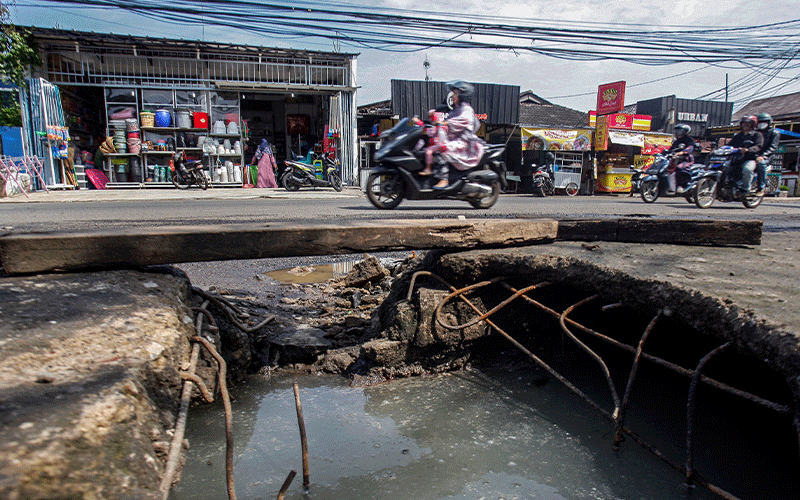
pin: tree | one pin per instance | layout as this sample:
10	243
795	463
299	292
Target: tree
18	53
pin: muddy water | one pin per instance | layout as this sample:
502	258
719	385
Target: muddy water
312	273
471	435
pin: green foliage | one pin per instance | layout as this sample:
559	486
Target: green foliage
17	54
10	115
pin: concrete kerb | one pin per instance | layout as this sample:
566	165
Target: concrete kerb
100	195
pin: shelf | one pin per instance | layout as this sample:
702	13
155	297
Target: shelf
158	152
120	154
225	154
173	129
225	135
189	149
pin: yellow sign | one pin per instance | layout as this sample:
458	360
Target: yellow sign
642	161
601	133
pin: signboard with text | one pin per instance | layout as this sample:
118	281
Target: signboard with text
624	121
610	98
601	134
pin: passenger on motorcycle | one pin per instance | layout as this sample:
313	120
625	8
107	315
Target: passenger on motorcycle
463	149
682	146
748	161
771	139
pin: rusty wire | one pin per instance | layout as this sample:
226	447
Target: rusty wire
619	413
227	307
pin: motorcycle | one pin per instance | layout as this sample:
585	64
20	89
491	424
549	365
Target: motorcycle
299	174
543	180
654	181
402	156
714	181
185	174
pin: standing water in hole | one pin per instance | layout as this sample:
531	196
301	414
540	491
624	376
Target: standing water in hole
469	435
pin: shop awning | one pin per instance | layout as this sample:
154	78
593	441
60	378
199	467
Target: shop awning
626	138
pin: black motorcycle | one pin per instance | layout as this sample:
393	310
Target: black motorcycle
654	181
401	158
322	172
187	173
543	184
718	180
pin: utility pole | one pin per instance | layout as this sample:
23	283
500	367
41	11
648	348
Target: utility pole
426	65
726	87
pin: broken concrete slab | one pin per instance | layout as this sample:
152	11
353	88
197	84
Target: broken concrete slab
120	248
675	232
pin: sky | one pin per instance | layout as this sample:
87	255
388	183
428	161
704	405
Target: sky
568	83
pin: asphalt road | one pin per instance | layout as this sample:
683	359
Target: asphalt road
67	211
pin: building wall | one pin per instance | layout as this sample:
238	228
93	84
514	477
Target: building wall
500	103
669	111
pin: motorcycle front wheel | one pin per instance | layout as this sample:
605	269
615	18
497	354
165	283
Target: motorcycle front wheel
385	190
176	181
336	181
649	191
705	192
289	183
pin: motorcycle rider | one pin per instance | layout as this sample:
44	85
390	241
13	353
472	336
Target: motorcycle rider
682	146
748	160
771	139
463	149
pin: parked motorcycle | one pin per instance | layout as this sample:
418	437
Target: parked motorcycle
299	174
715	182
654	182
401	158
543	180
186	173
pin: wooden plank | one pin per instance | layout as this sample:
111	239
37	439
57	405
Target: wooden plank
672	231
119	248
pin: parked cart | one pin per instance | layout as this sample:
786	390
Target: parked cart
568	168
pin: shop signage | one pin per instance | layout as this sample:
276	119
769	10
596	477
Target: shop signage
601	134
642	161
624	121
654	144
693	117
557	139
610	98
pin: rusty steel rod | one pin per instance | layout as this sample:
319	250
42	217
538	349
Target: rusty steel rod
226	403
303	440
176	445
628	389
286	484
226	307
662	362
207	396
591	353
690	406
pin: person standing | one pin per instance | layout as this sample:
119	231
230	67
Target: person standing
266	165
771	139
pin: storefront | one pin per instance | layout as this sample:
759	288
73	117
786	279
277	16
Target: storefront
700	115
215	102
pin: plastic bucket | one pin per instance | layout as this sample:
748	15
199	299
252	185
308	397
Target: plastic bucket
182	118
200	120
163	118
148	119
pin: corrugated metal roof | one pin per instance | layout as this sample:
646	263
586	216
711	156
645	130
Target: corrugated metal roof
551	115
780	107
500	103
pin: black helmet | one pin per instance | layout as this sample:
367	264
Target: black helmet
465	90
764	118
748	119
682	129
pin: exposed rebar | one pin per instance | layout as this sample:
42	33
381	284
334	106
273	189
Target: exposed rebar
634	367
303	440
286	484
226	403
227	307
690	404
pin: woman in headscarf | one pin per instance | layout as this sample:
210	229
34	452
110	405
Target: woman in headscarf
463	149
266	165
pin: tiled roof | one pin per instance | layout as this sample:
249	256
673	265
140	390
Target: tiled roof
551	115
782	106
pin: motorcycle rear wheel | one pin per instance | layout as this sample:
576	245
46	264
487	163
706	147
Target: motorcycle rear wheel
751	200
385	190
176	181
490	200
705	193
571	189
649	191
202	181
289	183
336	181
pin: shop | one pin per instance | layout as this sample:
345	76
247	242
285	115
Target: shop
149	98
700	115
571	148
618	151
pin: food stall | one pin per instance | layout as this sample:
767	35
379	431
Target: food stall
571	148
619	151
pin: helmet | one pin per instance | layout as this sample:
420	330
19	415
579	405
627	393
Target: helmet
682	129
748	119
465	90
764	121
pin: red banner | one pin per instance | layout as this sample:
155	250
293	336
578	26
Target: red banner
610	98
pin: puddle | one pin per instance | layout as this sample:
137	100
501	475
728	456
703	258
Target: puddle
312	274
470	435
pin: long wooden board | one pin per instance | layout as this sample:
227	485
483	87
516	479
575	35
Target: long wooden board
118	248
